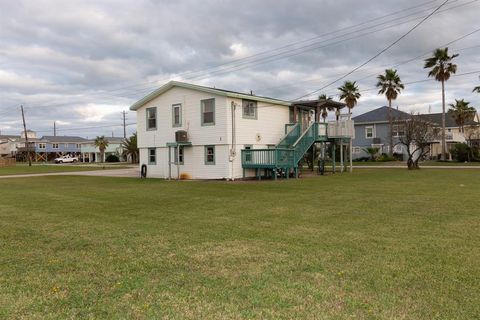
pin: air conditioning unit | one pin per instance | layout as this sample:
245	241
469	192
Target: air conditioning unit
377	140
181	136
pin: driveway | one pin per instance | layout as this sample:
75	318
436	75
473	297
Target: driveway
123	173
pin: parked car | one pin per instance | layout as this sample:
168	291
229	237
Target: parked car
66	159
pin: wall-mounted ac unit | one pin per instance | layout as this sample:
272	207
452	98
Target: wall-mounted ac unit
181	136
377	140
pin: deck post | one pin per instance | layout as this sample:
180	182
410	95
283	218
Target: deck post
351	160
341	155
169	164
243	173
274	172
334	147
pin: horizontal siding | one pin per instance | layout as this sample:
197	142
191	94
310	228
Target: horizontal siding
269	126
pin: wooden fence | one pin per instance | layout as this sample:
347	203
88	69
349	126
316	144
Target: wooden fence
7	162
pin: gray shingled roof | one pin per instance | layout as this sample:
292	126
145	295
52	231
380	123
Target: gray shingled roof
449	119
380	114
64	139
6	136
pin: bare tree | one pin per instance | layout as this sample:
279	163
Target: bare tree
419	135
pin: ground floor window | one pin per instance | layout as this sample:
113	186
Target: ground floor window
210	155
179	157
356	150
152	156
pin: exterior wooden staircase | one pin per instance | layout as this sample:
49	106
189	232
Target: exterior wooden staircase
288	152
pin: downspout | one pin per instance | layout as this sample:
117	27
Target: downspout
233	150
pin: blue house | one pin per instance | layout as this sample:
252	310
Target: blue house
372	131
50	147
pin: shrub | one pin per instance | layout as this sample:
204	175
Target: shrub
112	158
385	157
461	152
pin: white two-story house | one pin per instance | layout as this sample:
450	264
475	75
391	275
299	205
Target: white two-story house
198	132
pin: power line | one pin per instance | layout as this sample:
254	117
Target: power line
281	47
377	54
394	65
300	50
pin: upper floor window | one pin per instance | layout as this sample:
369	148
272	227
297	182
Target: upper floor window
152	118
208	112
369	133
78	145
66	145
177	115
55	145
249	108
42	146
398	130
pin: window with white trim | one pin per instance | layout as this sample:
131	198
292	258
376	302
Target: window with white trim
42	146
369	132
398	130
54	145
356	150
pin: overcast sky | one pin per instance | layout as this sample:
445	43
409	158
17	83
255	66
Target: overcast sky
81	63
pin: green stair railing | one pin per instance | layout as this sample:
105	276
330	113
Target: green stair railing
289	151
290	136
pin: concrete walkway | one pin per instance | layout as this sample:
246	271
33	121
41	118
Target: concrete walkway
123	173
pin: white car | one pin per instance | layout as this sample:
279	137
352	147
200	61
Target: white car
66	159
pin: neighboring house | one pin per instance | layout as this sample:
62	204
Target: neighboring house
372	130
8	145
453	133
50	147
210	133
90	153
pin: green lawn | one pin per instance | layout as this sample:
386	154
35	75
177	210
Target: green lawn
424	163
34	169
376	244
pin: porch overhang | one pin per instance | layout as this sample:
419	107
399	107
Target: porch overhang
179	144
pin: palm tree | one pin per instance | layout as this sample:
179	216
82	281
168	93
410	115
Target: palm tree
130	148
102	144
390	85
324	109
350	94
441	67
476	89
462	112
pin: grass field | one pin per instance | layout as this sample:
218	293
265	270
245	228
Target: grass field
38	168
376	244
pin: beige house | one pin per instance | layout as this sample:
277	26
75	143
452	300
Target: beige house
453	133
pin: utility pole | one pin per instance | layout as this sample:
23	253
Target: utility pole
124	124
54	128
26	138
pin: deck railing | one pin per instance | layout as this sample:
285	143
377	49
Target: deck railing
267	158
291	149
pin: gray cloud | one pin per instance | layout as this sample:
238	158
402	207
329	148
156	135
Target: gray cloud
82	62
